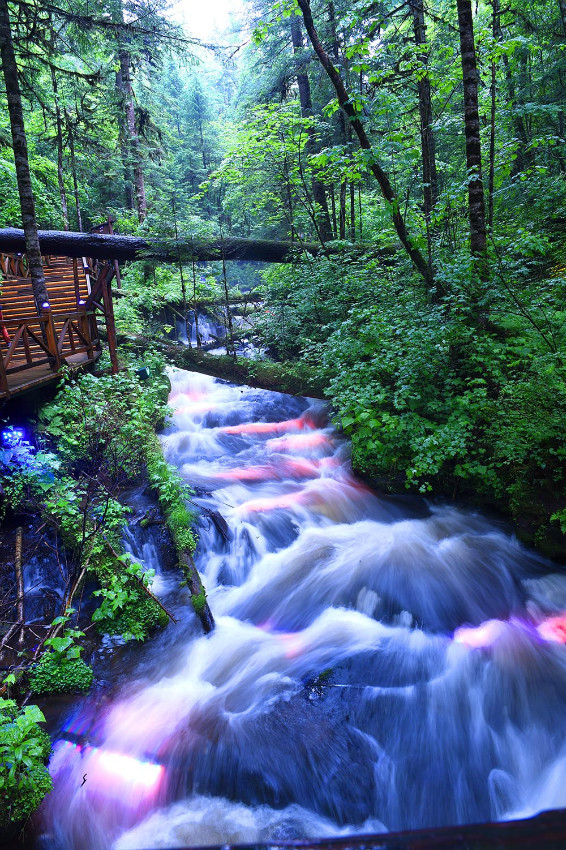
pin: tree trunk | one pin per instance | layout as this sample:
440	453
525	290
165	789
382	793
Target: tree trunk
476	202
345	102
60	174
343	187
352	213
74	171
318	190
133	138
428	152
124	149
118	247
27	204
495	29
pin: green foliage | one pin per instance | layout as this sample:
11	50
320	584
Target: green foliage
173	495
24	750
24	473
60	668
126	609
102	424
199	602
56	674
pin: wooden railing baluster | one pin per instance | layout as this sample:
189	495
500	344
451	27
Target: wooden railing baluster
51	338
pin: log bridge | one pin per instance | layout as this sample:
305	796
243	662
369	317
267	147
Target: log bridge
33	347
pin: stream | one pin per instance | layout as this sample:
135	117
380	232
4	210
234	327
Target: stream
376	665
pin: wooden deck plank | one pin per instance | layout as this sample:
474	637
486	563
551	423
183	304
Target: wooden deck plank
35	376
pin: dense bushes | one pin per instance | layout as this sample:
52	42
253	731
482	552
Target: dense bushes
460	395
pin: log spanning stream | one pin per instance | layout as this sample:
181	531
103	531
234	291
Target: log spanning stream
373	667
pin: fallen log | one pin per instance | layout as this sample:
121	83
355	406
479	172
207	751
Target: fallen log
197	591
118	247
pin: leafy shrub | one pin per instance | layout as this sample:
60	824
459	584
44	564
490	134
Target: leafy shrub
125	608
54	675
24	750
61	669
101	425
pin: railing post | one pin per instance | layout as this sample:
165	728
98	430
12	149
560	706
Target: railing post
51	336
84	325
3	379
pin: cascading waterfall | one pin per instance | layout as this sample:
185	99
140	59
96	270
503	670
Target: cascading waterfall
374	666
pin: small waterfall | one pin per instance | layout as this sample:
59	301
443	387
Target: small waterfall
374	666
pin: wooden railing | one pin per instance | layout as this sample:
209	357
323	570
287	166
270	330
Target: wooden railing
47	340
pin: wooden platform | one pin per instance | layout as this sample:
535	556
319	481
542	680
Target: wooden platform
35	376
33	347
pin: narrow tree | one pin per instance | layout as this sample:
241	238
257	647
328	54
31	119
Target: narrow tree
27	204
133	136
428	153
354	116
59	132
476	202
318	190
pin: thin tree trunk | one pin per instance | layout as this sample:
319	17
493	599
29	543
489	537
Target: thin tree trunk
20	578
229	327
197	332
476	202
342	219
352	212
318	190
133	138
123	139
345	102
60	175
493	96
183	287
27	204
74	171
428	151
345	133
333	207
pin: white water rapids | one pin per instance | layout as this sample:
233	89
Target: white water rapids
372	668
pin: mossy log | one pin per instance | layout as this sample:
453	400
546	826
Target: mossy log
118	247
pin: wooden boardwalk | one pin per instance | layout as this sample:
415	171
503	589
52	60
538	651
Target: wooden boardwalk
33	347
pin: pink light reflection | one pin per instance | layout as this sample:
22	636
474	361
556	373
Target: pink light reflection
267	427
298	442
479	637
553	629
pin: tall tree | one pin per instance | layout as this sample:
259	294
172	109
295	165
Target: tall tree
21	159
353	114
476	201
428	153
322	216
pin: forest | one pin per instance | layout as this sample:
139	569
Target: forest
410	156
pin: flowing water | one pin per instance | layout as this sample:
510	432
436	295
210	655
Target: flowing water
375	666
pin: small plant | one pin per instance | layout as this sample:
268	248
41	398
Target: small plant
126	609
61	669
24	751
